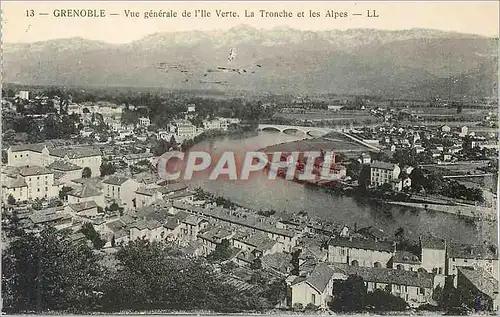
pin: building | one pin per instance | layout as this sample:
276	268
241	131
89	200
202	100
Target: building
464	131
144	122
87	209
416	288
25	95
445	129
86	193
29	183
191	108
406	261
258	244
480	289
383	173
465	255
133	159
433	255
120	190
65	171
365	158
44	154
184	129
360	252
214	124
316	288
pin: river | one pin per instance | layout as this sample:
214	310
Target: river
281	195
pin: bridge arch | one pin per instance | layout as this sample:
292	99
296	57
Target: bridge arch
270	129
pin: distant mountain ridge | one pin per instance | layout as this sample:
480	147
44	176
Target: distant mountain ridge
351	61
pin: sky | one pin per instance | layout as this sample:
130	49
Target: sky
473	17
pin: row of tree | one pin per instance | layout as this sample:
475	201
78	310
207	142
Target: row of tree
50	272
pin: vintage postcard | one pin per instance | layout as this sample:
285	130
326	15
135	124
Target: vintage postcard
249	157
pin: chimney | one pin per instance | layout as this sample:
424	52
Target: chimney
350	238
355	227
394	245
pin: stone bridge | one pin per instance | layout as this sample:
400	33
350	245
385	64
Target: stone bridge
311	131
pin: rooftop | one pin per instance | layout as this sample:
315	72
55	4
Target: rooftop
116	180
405	257
472	251
75	152
382	165
318	278
61	165
388	276
34	170
431	242
83	206
365	244
483	281
35	147
87	190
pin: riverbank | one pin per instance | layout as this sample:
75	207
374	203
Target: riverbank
475	212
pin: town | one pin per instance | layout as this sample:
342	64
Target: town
82	169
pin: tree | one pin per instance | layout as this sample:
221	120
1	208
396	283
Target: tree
295	262
86	173
222	251
92	235
63	193
256	264
364	176
354	169
155	276
48	271
107	169
37	204
349	295
380	300
173	142
11	200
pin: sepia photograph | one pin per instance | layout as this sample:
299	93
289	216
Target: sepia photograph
264	158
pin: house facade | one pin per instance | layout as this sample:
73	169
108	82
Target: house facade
360	252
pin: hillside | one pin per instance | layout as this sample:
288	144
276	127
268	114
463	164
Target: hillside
407	62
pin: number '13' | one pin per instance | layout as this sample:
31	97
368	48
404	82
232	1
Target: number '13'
30	13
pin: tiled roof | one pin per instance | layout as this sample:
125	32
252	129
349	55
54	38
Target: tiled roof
483	281
61	165
116	180
83	206
382	165
471	251
138	156
34	170
15	182
388	276
87	190
318	278
241	218
146	191
116	225
405	257
277	261
35	147
44	216
75	152
430	242
258	240
364	244
172	188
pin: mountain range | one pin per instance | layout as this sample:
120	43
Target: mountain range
411	63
